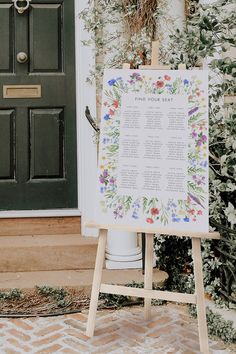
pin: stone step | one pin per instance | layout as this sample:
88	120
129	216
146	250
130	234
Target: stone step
47	252
81	279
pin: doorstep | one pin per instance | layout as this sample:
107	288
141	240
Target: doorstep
81	279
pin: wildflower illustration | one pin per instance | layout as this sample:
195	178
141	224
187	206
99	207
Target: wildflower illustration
154	209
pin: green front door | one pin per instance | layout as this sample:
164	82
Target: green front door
37	105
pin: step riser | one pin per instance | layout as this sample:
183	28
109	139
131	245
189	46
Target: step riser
44	244
40	258
40	226
47	253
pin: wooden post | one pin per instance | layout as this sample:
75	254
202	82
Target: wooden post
126	66
182	67
97	277
148	274
199	291
155	59
155	53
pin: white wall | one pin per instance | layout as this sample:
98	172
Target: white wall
85	96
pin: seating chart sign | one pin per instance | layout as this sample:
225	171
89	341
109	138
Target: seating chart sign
153	151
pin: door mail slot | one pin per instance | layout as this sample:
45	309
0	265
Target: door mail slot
21	91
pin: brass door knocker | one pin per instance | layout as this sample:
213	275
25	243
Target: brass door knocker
21	9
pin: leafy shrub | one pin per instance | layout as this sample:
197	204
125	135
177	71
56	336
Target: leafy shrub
57	294
14	294
217	326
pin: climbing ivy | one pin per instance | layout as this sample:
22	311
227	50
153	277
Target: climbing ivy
209	35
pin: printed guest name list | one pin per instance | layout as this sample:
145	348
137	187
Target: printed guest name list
153	146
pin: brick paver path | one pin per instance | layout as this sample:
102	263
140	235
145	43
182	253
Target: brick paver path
171	330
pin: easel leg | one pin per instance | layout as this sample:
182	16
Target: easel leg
97	277
199	290
148	274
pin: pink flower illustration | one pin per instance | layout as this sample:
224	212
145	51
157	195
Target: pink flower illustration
150	220
159	84
116	103
111	112
154	211
167	77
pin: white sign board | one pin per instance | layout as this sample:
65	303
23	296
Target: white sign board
153	152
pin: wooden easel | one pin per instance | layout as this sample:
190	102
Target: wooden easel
147	293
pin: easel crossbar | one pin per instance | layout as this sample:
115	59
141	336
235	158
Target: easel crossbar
159	231
148	294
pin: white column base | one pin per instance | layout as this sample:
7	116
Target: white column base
136	255
122	251
124	265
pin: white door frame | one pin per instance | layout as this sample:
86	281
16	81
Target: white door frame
86	148
86	96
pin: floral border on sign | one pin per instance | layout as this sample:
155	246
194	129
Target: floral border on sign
154	209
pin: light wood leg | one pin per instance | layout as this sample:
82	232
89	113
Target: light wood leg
199	290
148	274
97	277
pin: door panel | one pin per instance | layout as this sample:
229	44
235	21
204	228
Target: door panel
7	144
44	165
38	135
46	21
6	37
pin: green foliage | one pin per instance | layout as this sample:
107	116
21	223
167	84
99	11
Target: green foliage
173	257
221	328
227	254
114	301
217	325
209	34
14	294
57	294
118	301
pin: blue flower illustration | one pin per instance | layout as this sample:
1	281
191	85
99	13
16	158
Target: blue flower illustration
107	117
105	140
186	219
135	215
204	163
112	82
176	219
186	82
